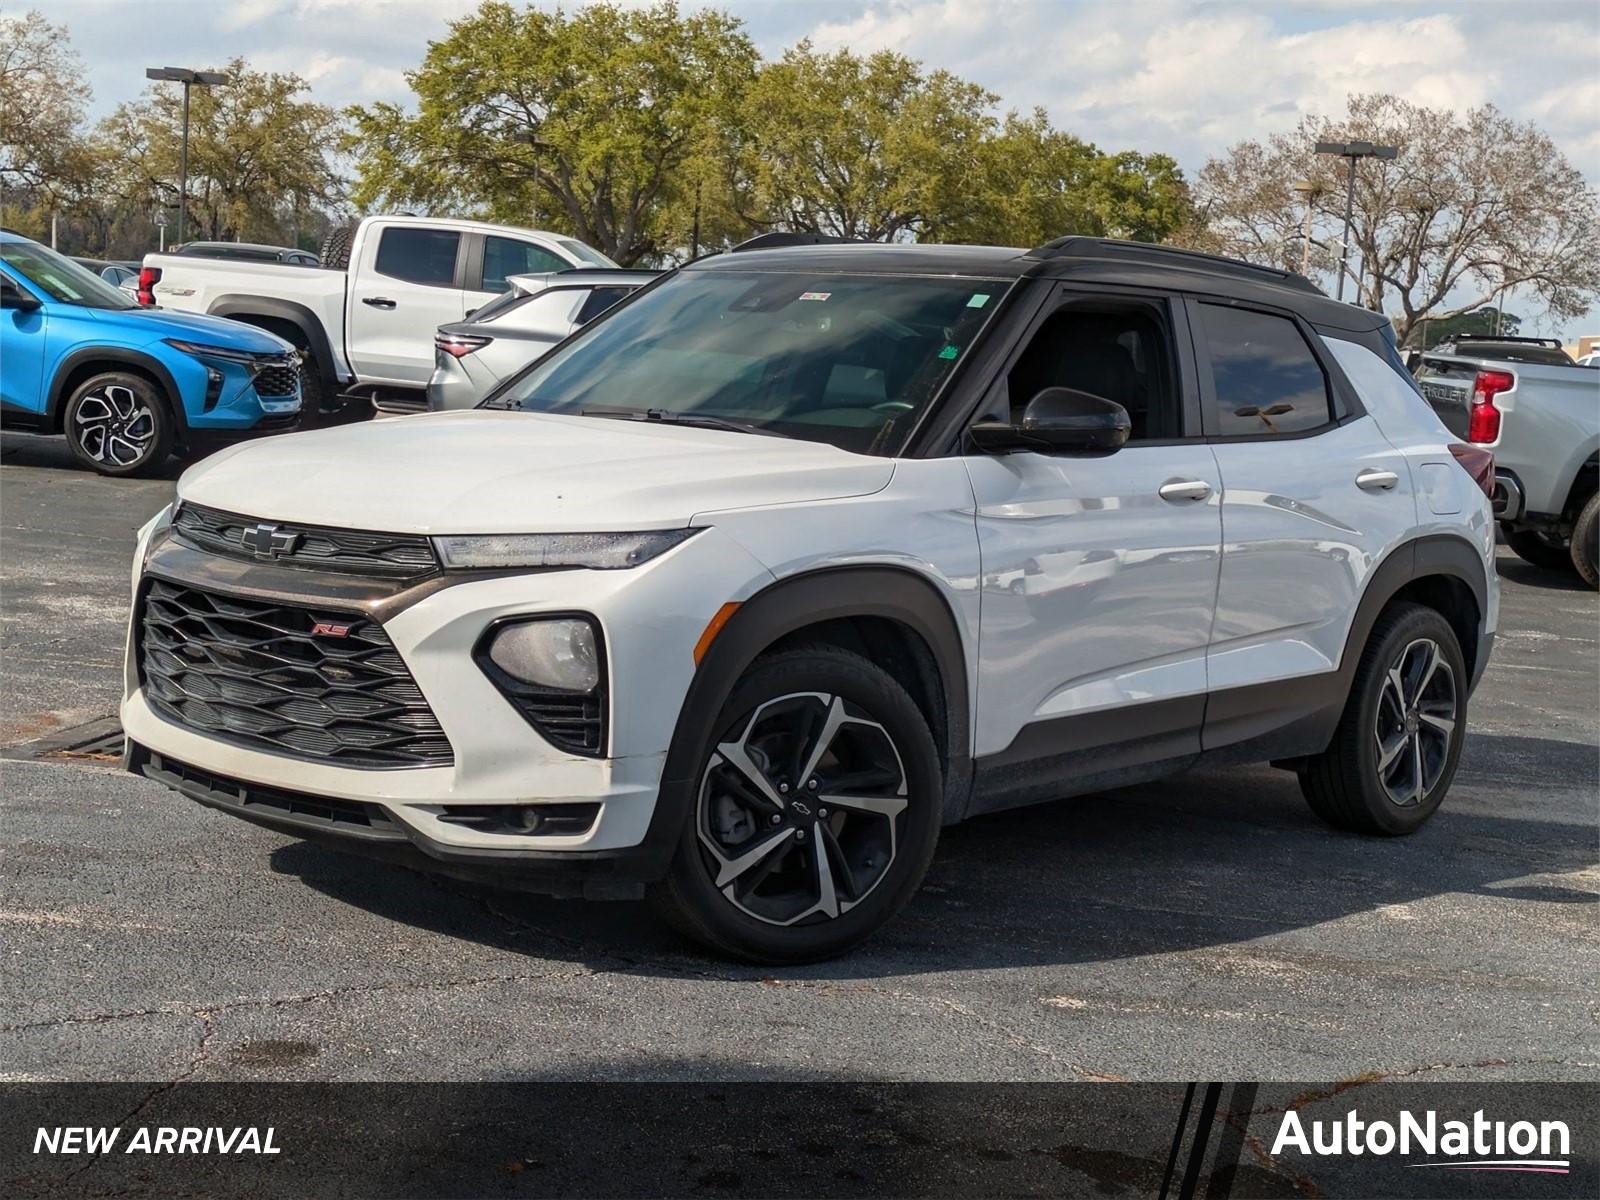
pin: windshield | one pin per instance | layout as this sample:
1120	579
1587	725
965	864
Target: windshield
851	360
584	253
60	278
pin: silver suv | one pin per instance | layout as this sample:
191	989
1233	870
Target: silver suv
471	357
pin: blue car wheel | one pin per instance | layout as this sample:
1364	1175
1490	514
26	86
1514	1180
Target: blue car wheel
119	424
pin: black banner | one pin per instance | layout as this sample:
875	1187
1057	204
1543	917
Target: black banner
1177	1141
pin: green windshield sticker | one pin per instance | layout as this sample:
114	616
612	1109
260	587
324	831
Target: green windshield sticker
979	299
949	352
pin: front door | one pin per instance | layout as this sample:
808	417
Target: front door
22	335
1098	573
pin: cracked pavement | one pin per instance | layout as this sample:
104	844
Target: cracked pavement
1204	926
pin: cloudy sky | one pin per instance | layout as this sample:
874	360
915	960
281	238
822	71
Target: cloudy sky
1186	78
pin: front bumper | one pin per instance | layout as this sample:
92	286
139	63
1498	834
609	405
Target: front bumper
498	759
370	830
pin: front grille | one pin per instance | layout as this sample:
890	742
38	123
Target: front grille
255	673
352	551
277	380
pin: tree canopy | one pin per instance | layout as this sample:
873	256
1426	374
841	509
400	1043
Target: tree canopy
1474	204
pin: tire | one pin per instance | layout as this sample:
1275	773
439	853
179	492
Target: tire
789	905
119	424
1349	785
335	252
1532	546
313	391
1586	542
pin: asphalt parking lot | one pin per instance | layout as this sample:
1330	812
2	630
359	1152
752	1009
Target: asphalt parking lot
1204	927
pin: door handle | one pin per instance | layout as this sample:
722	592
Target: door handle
1184	489
378	301
1372	480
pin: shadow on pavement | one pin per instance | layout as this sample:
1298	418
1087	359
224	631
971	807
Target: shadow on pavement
1203	860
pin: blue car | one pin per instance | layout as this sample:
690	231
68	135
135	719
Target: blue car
129	386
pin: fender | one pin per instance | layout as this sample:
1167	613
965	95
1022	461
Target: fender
782	608
113	355
298	315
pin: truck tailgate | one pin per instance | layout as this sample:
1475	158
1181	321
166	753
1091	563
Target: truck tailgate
1447	386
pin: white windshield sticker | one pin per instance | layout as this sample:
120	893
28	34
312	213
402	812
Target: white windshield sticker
815	295
979	299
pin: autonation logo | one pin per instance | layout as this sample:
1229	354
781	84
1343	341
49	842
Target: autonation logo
1476	1145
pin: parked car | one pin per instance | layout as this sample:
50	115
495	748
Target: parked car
118	274
1590	360
366	320
128	385
248	252
715	598
471	357
1539	412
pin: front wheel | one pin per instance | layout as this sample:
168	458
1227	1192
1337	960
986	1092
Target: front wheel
118	424
1395	750
815	811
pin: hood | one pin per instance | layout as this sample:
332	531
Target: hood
196	327
485	471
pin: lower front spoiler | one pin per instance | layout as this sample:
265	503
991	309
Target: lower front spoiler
368	830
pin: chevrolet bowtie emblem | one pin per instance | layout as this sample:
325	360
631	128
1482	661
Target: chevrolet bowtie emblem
269	541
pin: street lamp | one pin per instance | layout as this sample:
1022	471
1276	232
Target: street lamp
1309	192
188	78
528	138
1352	151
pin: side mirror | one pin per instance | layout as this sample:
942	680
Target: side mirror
1059	421
11	296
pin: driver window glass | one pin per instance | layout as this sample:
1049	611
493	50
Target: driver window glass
1122	352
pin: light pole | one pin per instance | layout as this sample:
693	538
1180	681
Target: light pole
188	78
161	227
1352	151
1309	192
528	138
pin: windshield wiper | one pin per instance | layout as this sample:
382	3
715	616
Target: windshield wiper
668	417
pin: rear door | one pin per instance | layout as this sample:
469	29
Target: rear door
496	257
407	283
1313	496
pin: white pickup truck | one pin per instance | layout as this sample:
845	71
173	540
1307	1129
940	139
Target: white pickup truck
365	320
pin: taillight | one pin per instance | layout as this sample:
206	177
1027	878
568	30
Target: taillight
459	345
1483	419
1477	462
148	278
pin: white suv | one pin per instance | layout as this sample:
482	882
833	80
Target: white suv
804	551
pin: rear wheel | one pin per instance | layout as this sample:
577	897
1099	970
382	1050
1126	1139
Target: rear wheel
1586	542
1397	744
1540	549
815	811
118	424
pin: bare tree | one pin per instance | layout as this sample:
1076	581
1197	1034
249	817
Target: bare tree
41	102
1475	204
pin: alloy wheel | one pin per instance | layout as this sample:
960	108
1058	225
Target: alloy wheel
1416	720
115	426
799	809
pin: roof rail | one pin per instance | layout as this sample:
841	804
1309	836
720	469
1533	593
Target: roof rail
1553	343
1078	246
776	241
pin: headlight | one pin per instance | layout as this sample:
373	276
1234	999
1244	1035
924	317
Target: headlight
597	551
558	653
225	353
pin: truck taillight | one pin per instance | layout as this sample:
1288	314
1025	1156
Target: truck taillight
1483	419
148	278
1478	463
459	345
